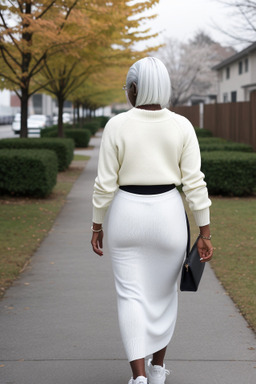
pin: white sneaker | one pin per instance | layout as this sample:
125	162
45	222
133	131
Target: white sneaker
156	374
139	380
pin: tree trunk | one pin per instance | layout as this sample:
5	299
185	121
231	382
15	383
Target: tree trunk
78	113
24	113
83	114
26	59
60	116
74	115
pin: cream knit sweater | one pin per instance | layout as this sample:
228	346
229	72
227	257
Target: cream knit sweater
141	147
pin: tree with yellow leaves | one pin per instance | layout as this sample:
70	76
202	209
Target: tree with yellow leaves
105	33
57	44
30	32
100	89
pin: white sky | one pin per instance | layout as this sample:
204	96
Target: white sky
181	19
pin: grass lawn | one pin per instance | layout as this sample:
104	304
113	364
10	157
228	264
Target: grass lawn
24	222
233	226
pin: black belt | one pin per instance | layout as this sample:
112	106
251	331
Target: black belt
147	189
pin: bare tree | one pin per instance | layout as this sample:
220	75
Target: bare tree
190	66
243	14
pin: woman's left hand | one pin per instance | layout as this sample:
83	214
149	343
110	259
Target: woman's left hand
205	249
97	242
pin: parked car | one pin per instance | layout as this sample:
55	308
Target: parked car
16	123
6	119
38	122
35	123
65	116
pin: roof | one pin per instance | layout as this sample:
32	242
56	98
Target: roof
236	57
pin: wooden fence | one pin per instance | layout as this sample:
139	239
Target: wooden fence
192	113
232	121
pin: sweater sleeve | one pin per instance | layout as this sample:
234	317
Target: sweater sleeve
192	178
106	181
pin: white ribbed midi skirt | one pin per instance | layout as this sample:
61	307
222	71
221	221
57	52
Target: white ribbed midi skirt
146	236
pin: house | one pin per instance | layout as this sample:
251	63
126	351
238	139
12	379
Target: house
237	76
208	78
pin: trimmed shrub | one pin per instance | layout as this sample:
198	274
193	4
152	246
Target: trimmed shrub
27	172
93	125
103	120
211	140
229	173
49	132
202	132
54	128
81	137
216	144
64	148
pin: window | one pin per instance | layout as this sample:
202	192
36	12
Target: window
233	97
240	67
246	65
227	73
225	98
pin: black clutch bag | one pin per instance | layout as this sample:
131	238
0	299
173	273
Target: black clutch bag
192	268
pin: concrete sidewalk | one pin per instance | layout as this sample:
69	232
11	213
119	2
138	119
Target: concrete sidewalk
58	322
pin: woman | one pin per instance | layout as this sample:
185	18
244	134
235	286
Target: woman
144	154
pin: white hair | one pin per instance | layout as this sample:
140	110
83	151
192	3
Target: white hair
152	80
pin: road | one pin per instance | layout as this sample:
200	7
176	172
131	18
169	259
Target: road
6	131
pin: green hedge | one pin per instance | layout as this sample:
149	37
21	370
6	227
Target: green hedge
201	132
103	120
211	140
27	172
229	173
93	125
81	137
216	144
49	132
64	148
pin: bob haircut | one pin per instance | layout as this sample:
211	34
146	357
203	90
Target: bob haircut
152	80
